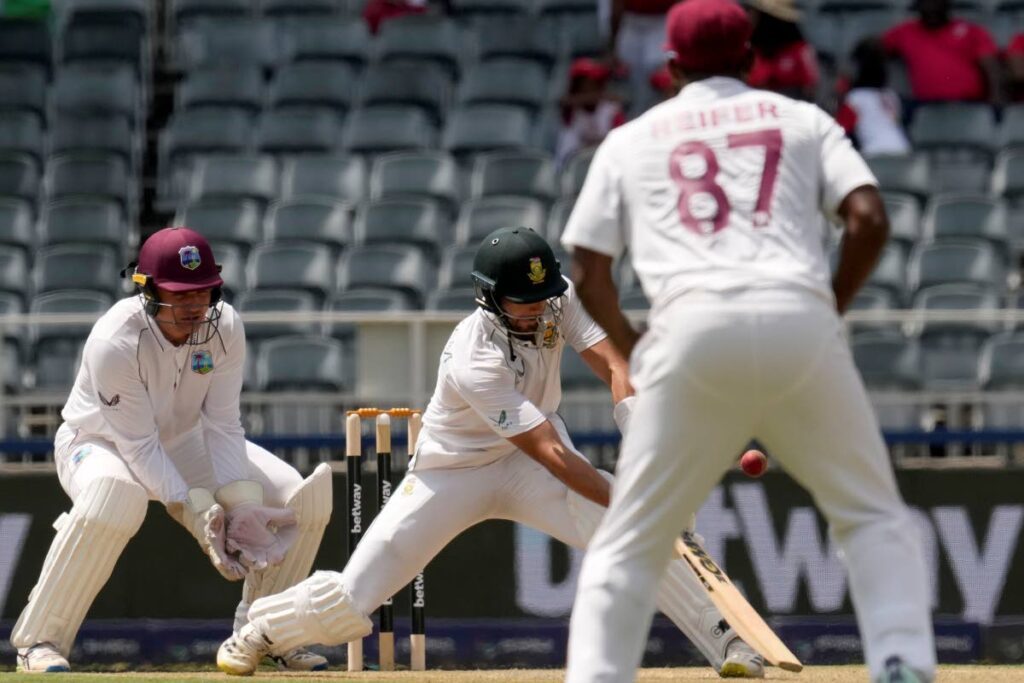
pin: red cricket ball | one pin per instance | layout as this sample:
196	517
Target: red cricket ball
754	463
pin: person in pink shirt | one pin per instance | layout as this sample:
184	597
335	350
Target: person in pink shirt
947	58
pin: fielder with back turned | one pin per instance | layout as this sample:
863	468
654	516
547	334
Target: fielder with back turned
718	193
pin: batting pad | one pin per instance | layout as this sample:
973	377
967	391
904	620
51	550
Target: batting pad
312	503
318	610
89	540
681	597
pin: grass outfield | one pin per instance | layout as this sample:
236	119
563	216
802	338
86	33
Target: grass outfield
813	674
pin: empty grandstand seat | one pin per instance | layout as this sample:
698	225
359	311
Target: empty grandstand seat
310	219
303	363
133	12
300	8
954	125
404	221
19	177
105	43
456	266
11	304
1008	175
523	173
575	372
232	261
271	301
558	217
386	128
1011	131
81	219
960	172
25	40
77	266
525	38
872	298
958	297
95	134
234	177
575	172
92	90
427	174
186	11
887	360
910	174
306	266
23	88
508	80
949	360
325	84
582	36
200	131
298	131
458	299
242	41
344	39
481	128
334	177
904	217
67	301
890	273
22	132
398	266
55	365
426	86
966	216
476	8
17	227
964	261
1001	365
224	220
91	175
222	86
15	272
479	217
10	366
363	300
421	38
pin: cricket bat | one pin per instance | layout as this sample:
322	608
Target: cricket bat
743	618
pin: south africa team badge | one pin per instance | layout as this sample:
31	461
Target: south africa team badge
202	362
189	257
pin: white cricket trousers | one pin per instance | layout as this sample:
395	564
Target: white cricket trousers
714	371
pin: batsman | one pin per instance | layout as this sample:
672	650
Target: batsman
154	415
492	446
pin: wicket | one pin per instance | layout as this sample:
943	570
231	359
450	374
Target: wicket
353	458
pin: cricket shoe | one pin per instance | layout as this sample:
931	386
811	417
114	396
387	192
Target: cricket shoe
41	658
897	671
741	662
300	659
240	654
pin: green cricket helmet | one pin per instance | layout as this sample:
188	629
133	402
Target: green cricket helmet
516	264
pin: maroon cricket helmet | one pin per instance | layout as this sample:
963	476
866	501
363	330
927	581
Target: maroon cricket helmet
177	259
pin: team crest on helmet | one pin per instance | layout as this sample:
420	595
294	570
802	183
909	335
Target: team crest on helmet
202	362
189	257
537	271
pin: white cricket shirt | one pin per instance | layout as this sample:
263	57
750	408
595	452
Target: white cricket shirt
146	396
483	395
718	188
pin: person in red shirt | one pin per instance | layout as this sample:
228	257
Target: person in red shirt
1015	67
783	61
947	58
589	111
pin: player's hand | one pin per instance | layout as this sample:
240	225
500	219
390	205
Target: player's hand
206	521
260	535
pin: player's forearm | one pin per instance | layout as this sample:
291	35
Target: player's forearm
577	474
867	230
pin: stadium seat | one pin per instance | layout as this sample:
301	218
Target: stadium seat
343	39
23	88
306	266
404	221
23	40
966	216
91	221
17	227
15	272
456	266
55	365
482	128
887	361
106	44
425	85
417	175
852	27
582	36
310	219
89	90
969	126
228	220
949	360
78	266
96	135
398	266
200	131
303	363
956	261
309	83
332	177
564	7
891	271
479	217
559	216
909	174
960	171
300	8
66	301
872	298
959	297
472	9
575	172
904	217
421	38
228	176
11	366
1001	365
459	299
19	177
298	131
222	86
519	82
271	301
576	374
22	133
1011	132
190	11
363	300
1008	176
239	41
232	261
136	12
387	128
11	304
525	38
522	173
91	175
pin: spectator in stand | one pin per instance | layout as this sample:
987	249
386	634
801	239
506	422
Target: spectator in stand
377	12
871	112
589	111
948	59
637	41
783	61
1015	68
664	84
